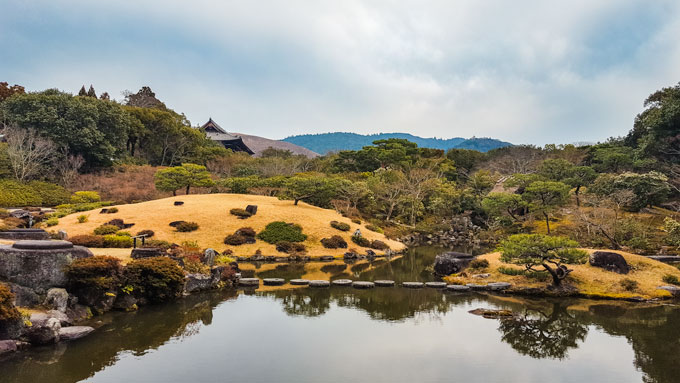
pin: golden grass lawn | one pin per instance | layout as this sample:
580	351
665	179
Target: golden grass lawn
589	280
211	212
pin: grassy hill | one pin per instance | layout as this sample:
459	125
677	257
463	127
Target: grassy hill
211	212
328	142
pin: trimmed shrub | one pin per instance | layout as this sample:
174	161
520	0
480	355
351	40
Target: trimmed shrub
14	194
157	279
99	273
85	197
629	284
158	244
361	241
290	247
340	225
117	241
278	231
246	232
148	233
87	240
223	260
334	242
83	218
374	228
8	312
479	263
112	210
52	221
125	233
241	213
106	229
235	240
186	227
356	220
50	194
117	222
378	245
671	279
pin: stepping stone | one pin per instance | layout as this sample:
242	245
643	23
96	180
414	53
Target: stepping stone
273	281
342	282
498	286
319	283
299	282
476	287
436	285
326	258
249	282
413	285
363	285
458	288
384	283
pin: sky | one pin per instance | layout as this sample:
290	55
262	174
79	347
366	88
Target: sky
522	71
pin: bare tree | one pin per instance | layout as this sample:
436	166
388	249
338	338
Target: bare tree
28	152
67	167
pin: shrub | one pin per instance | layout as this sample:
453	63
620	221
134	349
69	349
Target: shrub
148	233
356	220
87	240
176	223
235	240
479	264
629	284
50	194
83	218
156	243
85	197
4	213
99	273
537	275
14	194
117	241
375	228
241	213
340	225
228	252
52	221
246	232
334	242
671	279
8	312
278	231
112	210
378	245
361	241
157	279
223	260
186	227
117	222
106	229
290	247
125	233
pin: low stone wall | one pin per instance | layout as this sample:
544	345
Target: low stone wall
24	234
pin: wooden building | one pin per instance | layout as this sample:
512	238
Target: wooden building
229	141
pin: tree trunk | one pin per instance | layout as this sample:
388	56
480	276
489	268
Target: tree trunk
296	201
578	202
188	186
174	193
556	279
547	222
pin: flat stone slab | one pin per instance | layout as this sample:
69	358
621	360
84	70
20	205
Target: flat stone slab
299	282
363	285
319	283
436	285
665	258
675	290
326	258
273	281
413	285
476	287
458	288
384	283
74	332
249	282
498	286
342	282
25	234
42	245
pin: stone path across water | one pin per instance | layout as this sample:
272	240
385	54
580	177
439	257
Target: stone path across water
491	286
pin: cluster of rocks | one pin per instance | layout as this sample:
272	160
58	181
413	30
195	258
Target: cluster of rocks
463	232
349	256
28	216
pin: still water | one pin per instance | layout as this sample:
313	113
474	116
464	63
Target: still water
383	335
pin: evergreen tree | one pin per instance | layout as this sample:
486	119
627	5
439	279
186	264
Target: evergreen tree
91	92
82	91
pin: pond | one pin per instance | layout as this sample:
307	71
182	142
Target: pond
385	334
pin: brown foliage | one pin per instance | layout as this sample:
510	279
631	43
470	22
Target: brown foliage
127	183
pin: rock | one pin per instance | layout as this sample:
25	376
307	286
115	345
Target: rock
481	276
674	290
350	255
273	281
25	234
458	288
178	203
384	283
299	282
319	283
77	312
489	313
609	261
326	258
11	329
436	285
44	329
125	302
270	258
175	223
342	282
198	282
57	298
74	332
665	258
64	320
7	346
252	209
498	286
62	235
23	296
363	285
209	257
370	253
413	285
249	282
451	263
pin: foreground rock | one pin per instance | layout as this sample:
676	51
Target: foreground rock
7	346
74	332
451	263
57	299
44	330
436	285
609	261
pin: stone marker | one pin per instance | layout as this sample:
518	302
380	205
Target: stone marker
384	283
413	285
458	288
299	282
342	282
57	298
363	285
319	283
273	281
436	285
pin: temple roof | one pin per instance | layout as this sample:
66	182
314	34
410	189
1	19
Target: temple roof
230	141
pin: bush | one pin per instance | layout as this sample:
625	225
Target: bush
235	240
50	194
14	194
278	231
356	220
241	213
537	275
375	228
340	225
8	312
379	245
334	242
158	244
4	213
112	210
290	247
671	279
148	233
52	221
106	229
361	241
186	227
157	279
117	241
85	197
479	263
124	233
99	273
83	218
246	232
629	284
87	240
117	222
223	260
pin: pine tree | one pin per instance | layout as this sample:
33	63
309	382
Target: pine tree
82	92
91	93
105	96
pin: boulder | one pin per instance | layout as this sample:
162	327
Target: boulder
7	346
209	257
197	282
125	302
57	299
609	261
62	235
74	332
674	290
77	312
451	263
252	209
11	329
44	329
178	203
64	320
23	296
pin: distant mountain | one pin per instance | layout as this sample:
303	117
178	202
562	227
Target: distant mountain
258	144
330	142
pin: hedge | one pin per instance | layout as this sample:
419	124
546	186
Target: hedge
278	231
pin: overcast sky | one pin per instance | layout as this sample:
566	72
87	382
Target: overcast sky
522	71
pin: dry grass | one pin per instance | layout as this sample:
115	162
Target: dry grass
211	212
589	280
